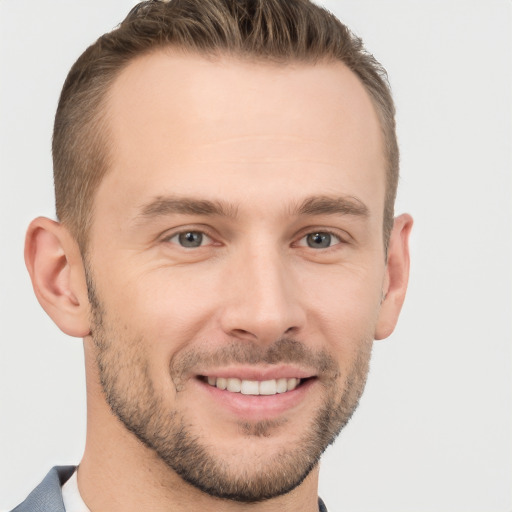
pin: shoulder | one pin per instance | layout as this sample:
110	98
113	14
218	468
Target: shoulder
47	496
321	506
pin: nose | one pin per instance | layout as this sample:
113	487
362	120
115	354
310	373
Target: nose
263	300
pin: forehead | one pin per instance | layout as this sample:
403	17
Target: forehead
183	120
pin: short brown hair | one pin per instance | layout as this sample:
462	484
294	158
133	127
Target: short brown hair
274	30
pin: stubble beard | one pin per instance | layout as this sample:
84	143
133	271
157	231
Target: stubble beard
129	391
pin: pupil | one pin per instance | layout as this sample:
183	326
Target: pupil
319	240
191	239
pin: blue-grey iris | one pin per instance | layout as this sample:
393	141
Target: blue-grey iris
319	240
191	239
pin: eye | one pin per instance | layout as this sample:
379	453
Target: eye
320	240
190	239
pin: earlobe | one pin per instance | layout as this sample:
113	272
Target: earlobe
55	266
396	278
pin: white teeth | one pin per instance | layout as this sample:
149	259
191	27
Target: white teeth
291	384
254	387
250	387
282	385
234	385
221	383
268	387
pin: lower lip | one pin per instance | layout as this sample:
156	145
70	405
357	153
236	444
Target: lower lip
259	407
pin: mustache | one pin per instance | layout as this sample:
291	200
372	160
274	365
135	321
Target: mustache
282	351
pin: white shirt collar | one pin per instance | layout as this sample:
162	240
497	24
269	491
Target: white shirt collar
73	502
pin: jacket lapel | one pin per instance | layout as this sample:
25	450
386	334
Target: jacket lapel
47	496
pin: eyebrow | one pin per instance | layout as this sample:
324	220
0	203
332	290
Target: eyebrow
327	205
161	206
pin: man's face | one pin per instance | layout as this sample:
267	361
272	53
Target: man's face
237	241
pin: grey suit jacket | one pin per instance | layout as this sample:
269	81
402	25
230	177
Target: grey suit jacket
47	496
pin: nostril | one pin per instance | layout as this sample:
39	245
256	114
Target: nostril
241	333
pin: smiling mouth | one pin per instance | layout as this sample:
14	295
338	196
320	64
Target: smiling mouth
254	387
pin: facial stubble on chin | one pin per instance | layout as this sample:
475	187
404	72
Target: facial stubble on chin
124	374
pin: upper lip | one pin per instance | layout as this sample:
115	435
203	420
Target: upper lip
259	373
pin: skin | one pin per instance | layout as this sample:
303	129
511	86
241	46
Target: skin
263	140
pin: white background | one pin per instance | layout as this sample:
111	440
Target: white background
434	429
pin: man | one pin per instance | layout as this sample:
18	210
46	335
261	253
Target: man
225	175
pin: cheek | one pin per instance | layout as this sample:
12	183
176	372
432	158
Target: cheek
167	308
345	307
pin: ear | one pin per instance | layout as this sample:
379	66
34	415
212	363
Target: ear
396	278
56	269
